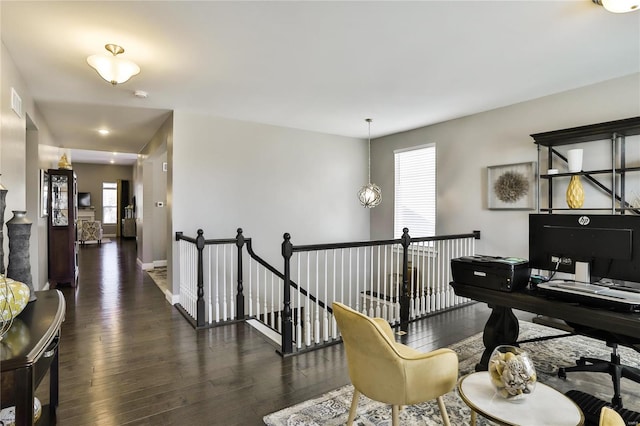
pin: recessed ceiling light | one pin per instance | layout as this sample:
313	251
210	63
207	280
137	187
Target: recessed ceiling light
115	153
112	161
103	132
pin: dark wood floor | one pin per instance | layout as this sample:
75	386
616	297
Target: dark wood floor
128	357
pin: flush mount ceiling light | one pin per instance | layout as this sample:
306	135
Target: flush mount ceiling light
112	68
619	6
370	195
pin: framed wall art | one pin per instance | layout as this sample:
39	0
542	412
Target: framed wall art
512	186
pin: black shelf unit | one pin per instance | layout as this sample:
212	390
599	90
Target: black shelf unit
613	131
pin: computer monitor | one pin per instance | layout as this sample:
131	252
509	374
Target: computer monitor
608	244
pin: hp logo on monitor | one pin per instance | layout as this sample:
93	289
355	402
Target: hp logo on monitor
584	220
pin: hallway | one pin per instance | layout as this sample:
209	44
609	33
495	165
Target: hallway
128	357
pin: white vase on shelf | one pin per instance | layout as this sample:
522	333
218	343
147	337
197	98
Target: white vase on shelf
574	158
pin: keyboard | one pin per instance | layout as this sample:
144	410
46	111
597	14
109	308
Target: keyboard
577	286
600	295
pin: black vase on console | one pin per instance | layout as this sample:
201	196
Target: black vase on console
19	231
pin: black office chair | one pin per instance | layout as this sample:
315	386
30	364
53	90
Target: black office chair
613	367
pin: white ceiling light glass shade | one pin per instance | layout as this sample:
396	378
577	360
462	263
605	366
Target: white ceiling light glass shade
112	68
370	195
619	6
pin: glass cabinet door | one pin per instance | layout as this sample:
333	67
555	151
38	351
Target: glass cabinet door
59	200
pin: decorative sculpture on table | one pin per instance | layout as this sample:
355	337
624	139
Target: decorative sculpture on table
512	372
19	231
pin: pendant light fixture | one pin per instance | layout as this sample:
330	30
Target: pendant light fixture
112	68
370	195
619	6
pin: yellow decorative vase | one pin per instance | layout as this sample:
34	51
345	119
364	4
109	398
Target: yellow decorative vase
575	193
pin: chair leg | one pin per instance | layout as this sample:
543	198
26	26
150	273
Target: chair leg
395	412
354	407
443	411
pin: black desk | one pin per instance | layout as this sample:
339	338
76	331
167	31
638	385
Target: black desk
502	326
31	351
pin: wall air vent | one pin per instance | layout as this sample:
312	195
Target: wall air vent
16	102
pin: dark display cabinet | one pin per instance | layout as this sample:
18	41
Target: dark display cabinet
63	213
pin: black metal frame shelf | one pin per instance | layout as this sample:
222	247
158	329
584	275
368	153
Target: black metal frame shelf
615	132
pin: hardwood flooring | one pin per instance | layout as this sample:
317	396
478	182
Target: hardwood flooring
127	357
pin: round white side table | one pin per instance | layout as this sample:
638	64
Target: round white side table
545	406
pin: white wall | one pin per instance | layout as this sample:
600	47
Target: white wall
150	186
159	213
466	146
20	167
268	180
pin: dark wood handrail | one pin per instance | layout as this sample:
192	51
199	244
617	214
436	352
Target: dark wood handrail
332	246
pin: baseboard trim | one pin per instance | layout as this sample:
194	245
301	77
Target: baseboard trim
269	333
171	298
159	263
144	266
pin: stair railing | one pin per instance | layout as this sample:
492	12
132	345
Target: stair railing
400	280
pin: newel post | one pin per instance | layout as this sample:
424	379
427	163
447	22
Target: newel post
200	301
287	324
240	295
404	293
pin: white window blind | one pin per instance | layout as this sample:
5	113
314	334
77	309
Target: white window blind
415	191
109	202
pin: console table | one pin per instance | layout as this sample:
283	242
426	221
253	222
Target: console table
502	326
25	361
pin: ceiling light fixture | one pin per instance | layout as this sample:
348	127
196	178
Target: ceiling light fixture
112	68
619	6
370	195
103	132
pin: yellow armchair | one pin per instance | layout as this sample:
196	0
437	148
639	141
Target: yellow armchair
391	372
610	417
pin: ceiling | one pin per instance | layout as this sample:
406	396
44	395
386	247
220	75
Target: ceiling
320	66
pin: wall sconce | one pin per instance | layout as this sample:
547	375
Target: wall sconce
112	68
619	6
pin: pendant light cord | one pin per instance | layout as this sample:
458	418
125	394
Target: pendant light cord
368	120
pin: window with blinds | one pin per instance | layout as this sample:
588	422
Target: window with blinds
109	203
415	191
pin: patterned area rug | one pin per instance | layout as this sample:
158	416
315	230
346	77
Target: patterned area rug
159	276
333	408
